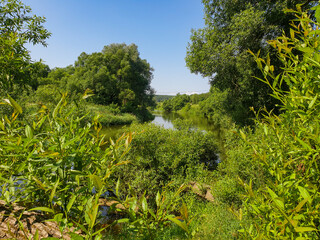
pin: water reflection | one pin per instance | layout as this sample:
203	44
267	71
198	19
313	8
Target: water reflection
200	123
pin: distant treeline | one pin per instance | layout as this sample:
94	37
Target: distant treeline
161	98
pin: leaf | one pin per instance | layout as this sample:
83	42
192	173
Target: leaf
304	193
276	199
41	185
301	204
117	187
88	93
75	236
36	235
305	229
96	182
292	33
312	102
158	199
144	204
70	203
180	223
184	211
53	192
305	145
243	135
5	167
2	125
58	217
29	131
14	104
43	209
56	109
41	121
123	220
317	12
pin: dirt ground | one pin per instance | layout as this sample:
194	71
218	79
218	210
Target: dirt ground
17	223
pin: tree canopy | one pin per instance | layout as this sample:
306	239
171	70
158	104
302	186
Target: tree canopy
17	27
220	49
116	75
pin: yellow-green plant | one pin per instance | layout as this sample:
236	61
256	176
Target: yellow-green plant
287	146
55	163
145	219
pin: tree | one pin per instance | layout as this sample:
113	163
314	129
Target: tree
17	27
219	50
117	74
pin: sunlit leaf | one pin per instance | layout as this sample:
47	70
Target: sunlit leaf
43	209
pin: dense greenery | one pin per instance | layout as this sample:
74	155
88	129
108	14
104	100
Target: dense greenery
160	156
160	98
55	159
18	27
117	76
219	50
287	205
181	100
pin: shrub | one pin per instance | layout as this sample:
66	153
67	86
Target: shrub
160	155
287	146
53	163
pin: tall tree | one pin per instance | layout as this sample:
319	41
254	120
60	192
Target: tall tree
117	74
219	50
17	27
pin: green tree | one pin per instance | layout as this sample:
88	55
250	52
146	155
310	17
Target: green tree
219	50
17	27
176	103
112	73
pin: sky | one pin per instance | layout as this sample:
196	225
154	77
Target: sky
160	28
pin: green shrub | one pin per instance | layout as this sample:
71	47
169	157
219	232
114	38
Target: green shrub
109	115
52	162
160	155
287	147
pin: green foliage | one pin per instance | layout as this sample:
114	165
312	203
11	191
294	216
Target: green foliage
286	147
176	103
108	115
56	165
219	50
213	221
159	156
161	98
17	27
146	221
116	75
214	107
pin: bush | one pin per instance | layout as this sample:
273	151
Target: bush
159	156
52	162
287	147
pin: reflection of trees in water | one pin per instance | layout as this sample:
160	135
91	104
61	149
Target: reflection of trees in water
171	116
200	123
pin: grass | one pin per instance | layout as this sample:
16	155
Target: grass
110	115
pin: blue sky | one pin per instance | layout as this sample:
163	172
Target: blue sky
160	28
